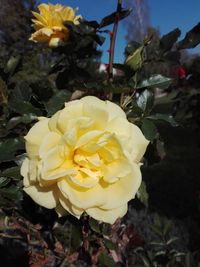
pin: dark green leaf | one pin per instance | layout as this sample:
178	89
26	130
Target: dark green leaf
57	101
42	88
94	225
192	38
83	28
20	158
25	119
106	261
131	47
4	181
188	260
168	40
172	240
163	117
22	92
145	101
76	237
92	85
135	60
23	107
109	244
13	172
158	244
12	193
20	100
145	261
9	148
149	130
105	229
12	65
157	230
155	81
3	92
110	19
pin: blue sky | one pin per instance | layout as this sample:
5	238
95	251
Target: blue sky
165	15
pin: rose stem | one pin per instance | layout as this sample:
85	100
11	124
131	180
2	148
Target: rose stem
112	44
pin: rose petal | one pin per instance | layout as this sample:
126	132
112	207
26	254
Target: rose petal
114	111
50	141
138	143
96	113
82	197
66	204
44	196
115	170
119	193
107	216
35	137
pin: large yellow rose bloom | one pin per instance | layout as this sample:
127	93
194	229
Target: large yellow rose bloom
85	158
49	26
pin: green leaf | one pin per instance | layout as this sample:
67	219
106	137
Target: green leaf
110	19
142	194
23	107
12	193
145	101
25	119
84	28
42	88
94	225
157	244
168	40
22	92
160	253
57	101
135	60
188	260
145	261
192	38
3	92
106	229
12	65
4	181
76	237
155	81
109	244
172	240
131	47
149	130
20	158
20	100
163	117
9	148
13	172
106	261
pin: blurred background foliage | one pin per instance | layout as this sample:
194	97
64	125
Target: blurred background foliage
161	228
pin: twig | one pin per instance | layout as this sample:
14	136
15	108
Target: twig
112	44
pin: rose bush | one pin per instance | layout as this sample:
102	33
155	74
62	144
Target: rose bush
49	24
85	158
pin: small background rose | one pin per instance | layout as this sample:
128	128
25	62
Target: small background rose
85	158
48	24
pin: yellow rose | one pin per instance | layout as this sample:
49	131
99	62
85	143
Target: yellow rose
85	158
49	24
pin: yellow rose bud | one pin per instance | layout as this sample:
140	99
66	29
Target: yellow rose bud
85	158
48	24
